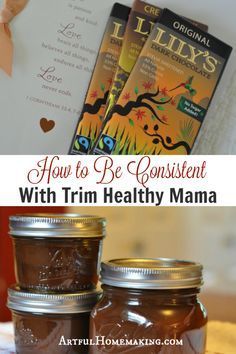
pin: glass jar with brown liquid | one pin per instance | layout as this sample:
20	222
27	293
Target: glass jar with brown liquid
57	253
49	323
149	306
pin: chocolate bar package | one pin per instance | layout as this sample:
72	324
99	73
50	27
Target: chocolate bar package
142	19
166	98
90	120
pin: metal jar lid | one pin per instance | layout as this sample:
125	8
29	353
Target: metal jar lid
158	273
57	225
82	302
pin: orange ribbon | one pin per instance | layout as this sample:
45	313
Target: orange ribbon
10	9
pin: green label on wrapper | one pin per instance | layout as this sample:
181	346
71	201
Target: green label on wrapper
191	109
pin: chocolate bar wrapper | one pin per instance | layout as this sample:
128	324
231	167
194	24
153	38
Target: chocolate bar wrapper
90	121
168	93
142	19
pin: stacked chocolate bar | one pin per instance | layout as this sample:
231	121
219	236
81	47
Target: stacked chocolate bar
152	85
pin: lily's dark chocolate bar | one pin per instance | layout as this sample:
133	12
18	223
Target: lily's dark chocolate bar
169	89
142	19
90	121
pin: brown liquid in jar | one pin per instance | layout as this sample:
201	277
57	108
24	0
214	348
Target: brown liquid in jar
149	314
41	334
57	253
57	265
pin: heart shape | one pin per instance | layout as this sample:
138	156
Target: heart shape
46	125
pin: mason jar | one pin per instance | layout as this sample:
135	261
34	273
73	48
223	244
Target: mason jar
149	306
49	323
57	253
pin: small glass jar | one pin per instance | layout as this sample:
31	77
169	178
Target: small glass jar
57	253
51	323
149	306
